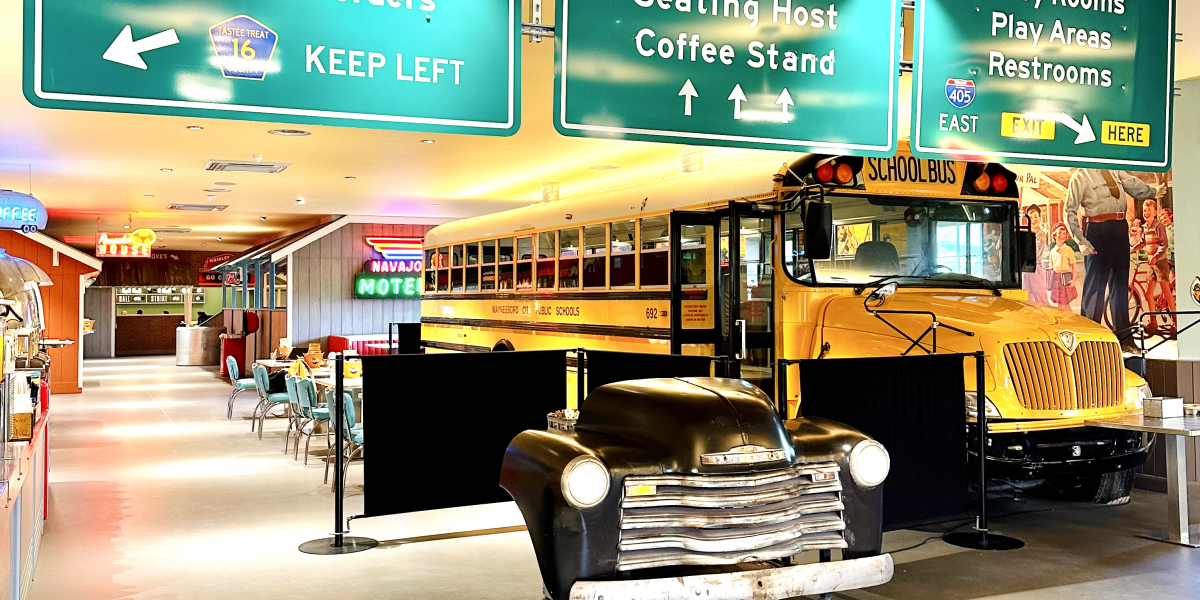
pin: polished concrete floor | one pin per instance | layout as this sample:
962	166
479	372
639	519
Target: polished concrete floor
154	495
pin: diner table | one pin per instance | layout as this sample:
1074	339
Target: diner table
275	365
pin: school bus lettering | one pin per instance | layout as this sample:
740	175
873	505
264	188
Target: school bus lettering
910	169
566	311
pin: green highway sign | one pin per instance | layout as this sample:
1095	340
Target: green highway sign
422	65
810	75
1085	83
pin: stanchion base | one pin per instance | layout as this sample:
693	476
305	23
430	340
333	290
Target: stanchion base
1159	536
350	545
982	541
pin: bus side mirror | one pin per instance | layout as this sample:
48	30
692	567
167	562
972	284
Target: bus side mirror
1026	251
818	230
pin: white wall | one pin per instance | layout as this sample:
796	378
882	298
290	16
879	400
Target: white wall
1185	164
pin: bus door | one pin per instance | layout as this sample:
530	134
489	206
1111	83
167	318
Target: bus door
695	284
751	296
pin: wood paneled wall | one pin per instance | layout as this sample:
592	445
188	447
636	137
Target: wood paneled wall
98	304
321	276
61	302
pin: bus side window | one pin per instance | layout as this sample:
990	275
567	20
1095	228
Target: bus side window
456	271
595	261
487	275
624	257
545	263
524	263
568	259
656	246
505	258
430	270
443	264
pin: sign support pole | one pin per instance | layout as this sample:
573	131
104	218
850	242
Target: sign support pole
340	543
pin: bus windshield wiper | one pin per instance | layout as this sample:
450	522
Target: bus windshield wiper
968	280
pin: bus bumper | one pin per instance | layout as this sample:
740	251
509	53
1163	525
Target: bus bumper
1073	452
761	584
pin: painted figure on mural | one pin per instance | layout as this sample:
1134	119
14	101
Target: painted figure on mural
1035	283
1062	267
1155	243
1098	215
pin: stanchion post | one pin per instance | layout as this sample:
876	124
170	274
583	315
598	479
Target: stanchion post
339	443
982	539
339	543
580	387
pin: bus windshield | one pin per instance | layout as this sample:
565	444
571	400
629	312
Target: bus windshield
943	243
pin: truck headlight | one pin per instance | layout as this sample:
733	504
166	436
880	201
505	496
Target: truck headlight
973	406
1137	395
585	482
869	463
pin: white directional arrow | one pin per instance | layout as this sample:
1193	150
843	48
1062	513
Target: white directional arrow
1084	130
786	100
688	92
738	97
128	52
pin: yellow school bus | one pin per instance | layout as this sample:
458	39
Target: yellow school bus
717	263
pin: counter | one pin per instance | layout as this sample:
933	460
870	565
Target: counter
146	335
23	506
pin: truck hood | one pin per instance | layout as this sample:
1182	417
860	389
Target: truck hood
680	420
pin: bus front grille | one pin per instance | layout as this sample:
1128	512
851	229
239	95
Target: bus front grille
1045	377
675	520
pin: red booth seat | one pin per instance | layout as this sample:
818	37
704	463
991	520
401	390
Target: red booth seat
358	343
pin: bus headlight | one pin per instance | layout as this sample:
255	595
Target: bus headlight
1137	395
585	482
869	463
973	406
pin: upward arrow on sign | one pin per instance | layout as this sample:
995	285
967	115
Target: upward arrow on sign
786	100
688	92
128	52
738	97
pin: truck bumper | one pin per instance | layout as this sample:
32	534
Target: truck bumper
1073	452
761	584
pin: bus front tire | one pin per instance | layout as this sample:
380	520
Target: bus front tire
1113	489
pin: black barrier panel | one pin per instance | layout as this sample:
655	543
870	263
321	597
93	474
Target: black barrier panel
604	367
440	423
406	337
914	406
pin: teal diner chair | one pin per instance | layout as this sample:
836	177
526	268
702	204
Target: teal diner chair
312	415
239	385
267	400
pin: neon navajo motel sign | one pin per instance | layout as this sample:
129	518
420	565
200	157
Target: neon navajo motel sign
395	274
396	255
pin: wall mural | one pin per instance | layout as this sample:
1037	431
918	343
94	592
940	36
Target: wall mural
1106	242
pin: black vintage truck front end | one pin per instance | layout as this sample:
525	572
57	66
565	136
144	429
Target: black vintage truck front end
679	488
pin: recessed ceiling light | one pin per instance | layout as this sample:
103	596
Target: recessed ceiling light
217	238
426	141
218	190
605	167
224	183
351	177
299	200
202	245
194	128
262	218
435	204
166	170
210	198
289	132
148	196
125	226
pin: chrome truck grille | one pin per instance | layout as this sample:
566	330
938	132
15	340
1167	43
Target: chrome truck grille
1047	378
673	520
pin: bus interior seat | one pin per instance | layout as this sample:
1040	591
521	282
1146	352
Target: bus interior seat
877	258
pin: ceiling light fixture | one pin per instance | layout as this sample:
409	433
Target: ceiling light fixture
435	204
194	128
202	245
351	177
148	196
427	141
299	200
218	190
224	183
125	227
166	170
210	198
289	132
262	218
217	238
605	167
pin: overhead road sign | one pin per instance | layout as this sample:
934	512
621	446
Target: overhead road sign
808	75
1083	83
419	65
